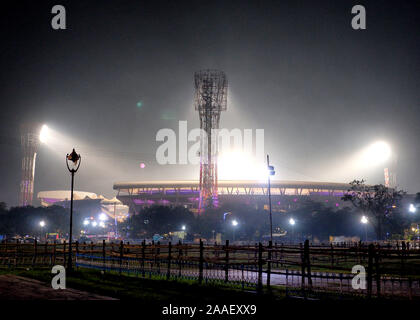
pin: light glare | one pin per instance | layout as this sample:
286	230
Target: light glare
238	165
43	136
377	153
103	217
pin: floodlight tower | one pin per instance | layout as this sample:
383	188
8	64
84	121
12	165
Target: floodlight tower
210	101
29	142
390	173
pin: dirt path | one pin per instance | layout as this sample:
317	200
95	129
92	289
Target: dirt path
19	288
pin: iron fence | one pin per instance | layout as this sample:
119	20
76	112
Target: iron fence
303	269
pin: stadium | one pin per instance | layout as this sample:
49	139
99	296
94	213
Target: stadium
86	202
285	195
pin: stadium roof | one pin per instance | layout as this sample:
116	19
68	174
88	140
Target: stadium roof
232	183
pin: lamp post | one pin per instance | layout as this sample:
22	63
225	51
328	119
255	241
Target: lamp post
234	224
115	221
74	165
365	221
271	172
42	225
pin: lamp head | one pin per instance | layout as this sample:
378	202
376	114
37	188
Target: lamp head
73	157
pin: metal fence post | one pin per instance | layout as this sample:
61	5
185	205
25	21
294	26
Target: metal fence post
45	252
16	252
270	247
158	257
168	275
103	254
377	273
227	261
35	251
179	259
64	252
260	268
77	251
302	266
370	269
200	263
143	253
121	253
307	262
403	248
54	252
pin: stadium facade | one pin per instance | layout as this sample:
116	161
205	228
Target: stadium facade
285	194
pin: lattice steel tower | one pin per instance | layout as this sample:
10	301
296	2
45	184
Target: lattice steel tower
30	143
210	100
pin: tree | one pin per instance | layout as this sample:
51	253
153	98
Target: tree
378	202
417	199
157	219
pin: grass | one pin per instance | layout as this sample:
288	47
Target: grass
158	291
147	290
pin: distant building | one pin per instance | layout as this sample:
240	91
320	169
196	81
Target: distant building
88	202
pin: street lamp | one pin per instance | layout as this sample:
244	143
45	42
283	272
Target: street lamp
271	172
234	224
412	208
365	221
73	161
103	217
42	225
183	228
292	222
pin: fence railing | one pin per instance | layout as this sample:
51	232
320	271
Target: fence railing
391	270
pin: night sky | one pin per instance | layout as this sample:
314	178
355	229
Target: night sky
320	90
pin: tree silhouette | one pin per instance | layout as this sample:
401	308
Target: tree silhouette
377	202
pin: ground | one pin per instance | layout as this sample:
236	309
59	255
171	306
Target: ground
13	287
125	287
